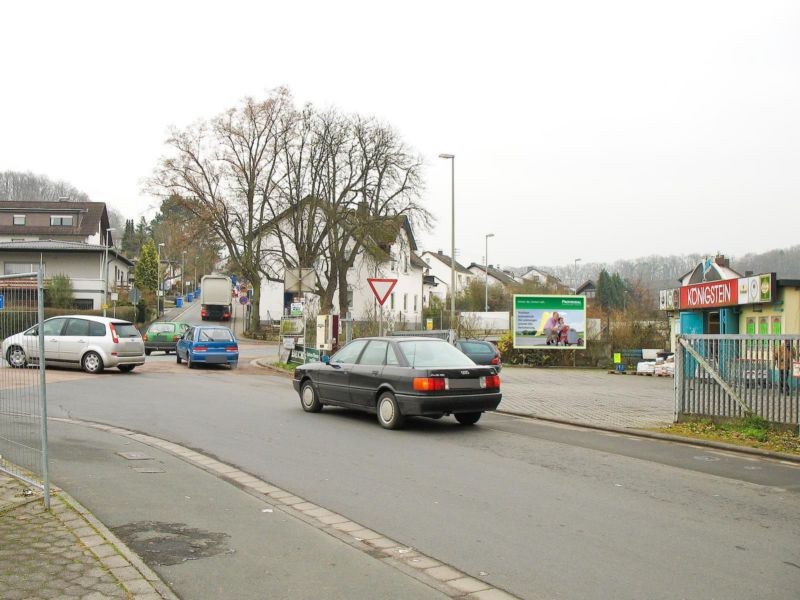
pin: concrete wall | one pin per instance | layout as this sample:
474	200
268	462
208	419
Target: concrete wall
786	310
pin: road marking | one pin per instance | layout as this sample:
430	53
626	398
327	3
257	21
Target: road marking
426	569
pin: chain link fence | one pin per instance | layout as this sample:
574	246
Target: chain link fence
23	403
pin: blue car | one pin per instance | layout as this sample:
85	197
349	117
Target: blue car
208	345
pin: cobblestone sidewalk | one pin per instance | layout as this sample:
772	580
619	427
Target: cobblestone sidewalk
64	552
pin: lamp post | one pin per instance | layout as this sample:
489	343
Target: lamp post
160	282
575	274
105	268
183	274
452	159
486	289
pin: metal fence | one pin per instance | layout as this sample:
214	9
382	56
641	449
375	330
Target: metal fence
738	375
23	402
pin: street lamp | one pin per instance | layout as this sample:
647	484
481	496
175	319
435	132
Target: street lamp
452	159
183	274
575	274
486	289
105	267
160	282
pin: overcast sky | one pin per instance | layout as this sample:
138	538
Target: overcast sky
592	130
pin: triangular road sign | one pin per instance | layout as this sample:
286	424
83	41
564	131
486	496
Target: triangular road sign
382	288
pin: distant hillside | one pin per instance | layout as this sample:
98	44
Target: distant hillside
660	272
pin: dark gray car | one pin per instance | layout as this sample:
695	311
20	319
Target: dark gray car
397	378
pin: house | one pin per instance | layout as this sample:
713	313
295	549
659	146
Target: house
387	259
587	288
82	262
493	275
83	222
439	266
540	276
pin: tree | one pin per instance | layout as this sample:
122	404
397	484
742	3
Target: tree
147	269
128	245
59	292
28	187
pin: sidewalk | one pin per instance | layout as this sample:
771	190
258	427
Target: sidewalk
64	552
202	535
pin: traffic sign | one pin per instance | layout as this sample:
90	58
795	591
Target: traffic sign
382	288
2	301
243	299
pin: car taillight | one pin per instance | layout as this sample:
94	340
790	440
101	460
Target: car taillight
200	348
226	316
232	349
495	360
114	336
204	313
490	382
144	337
430	384
175	338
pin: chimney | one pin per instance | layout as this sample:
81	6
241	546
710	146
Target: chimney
748	273
722	261
438	252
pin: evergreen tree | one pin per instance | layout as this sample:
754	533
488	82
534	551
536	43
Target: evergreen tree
147	272
129	246
605	293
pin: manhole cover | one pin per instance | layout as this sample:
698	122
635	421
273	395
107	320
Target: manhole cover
135	455
172	543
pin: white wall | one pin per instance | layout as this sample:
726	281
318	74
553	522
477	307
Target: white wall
480	275
442	272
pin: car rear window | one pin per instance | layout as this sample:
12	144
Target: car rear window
97	329
215	335
424	354
161	328
126	330
476	348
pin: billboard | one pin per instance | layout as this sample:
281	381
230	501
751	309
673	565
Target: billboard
549	322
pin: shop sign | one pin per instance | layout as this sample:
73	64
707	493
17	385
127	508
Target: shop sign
669	299
549	322
710	295
757	289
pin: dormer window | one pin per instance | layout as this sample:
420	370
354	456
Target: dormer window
61	220
19	219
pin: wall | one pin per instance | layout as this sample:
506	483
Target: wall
786	312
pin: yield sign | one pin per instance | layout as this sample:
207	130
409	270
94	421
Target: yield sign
382	288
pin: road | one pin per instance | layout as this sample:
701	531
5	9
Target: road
542	511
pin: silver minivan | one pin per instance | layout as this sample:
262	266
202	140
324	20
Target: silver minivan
91	343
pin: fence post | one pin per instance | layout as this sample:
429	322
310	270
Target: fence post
42	391
677	382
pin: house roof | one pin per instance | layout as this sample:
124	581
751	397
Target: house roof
429	280
497	274
547	274
586	285
93	217
447	261
59	246
417	261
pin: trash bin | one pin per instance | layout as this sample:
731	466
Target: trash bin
178	302
189	297
197	293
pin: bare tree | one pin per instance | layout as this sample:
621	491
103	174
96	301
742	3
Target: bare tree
28	187
229	168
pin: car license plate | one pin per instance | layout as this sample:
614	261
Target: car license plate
464	384
219	358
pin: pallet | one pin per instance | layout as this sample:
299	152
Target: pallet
653	374
613	372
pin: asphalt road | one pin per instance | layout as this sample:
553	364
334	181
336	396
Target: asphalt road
542	511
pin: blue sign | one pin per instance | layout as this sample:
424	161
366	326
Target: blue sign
2	301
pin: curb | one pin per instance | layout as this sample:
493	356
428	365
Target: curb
665	437
259	362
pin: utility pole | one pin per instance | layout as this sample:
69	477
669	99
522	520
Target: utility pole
452	159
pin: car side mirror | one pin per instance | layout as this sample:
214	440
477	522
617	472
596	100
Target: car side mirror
325	359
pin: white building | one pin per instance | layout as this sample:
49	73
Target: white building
439	268
540	276
495	276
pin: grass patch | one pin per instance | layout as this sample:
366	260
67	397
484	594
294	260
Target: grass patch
288	367
752	431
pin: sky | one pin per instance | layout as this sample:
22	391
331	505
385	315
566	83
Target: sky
584	129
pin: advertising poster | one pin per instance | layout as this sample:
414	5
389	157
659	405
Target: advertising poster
549	322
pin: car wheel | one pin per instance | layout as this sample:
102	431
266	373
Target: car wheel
389	415
147	352
189	362
126	368
178	357
234	365
309	399
16	357
468	418
92	363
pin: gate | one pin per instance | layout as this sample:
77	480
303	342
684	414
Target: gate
738	375
23	402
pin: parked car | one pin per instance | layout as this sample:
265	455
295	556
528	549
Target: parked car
208	345
396	378
481	352
91	343
163	335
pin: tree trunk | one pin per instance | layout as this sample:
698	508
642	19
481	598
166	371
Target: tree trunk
255	319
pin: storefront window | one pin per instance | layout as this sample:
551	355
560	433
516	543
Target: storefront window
751	326
776	325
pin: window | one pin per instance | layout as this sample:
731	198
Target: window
83	304
374	354
215	335
350	297
776	326
19	219
11	268
415	303
161	328
54	326
61	220
391	357
97	329
391	301
434	353
125	330
77	327
17	239
349	353
405	263
405	302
